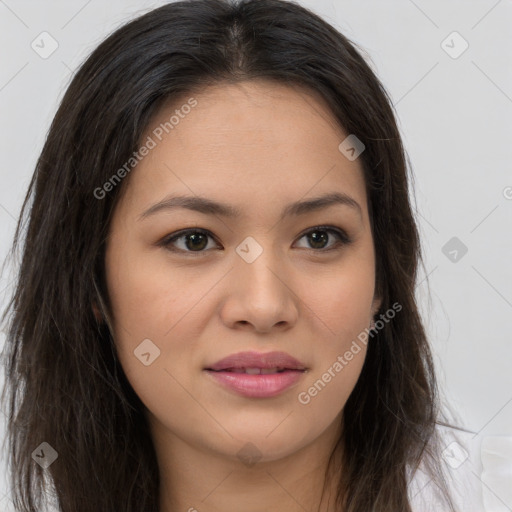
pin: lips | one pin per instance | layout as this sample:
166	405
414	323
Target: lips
254	363
257	375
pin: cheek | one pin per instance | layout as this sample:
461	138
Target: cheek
148	315
146	304
173	321
328	387
339	355
339	303
339	298
149	297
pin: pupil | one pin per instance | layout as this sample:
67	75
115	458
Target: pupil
318	239
194	238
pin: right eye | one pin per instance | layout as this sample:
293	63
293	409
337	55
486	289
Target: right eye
188	241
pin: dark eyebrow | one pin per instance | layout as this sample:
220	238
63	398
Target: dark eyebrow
207	206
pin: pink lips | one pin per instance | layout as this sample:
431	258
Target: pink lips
257	375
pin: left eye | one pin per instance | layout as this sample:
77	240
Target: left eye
196	240
319	236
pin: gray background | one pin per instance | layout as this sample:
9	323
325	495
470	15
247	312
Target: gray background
455	115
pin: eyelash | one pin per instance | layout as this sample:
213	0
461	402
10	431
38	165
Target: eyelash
343	239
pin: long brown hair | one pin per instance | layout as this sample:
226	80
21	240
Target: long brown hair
64	383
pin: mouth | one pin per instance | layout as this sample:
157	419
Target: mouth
257	375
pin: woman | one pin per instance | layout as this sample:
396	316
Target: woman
284	364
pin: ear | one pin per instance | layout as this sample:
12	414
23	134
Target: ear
376	303
97	312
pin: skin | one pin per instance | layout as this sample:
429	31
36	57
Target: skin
256	146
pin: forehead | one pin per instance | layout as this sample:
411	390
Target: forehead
245	142
254	112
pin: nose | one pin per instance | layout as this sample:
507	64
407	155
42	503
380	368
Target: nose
260	296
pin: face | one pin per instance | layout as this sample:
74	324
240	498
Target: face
190	285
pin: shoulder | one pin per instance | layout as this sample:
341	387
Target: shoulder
463	470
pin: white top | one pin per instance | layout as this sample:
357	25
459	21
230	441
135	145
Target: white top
461	457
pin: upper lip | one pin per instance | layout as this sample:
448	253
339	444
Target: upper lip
258	360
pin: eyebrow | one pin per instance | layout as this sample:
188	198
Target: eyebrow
210	207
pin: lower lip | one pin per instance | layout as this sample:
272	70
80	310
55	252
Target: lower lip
257	386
